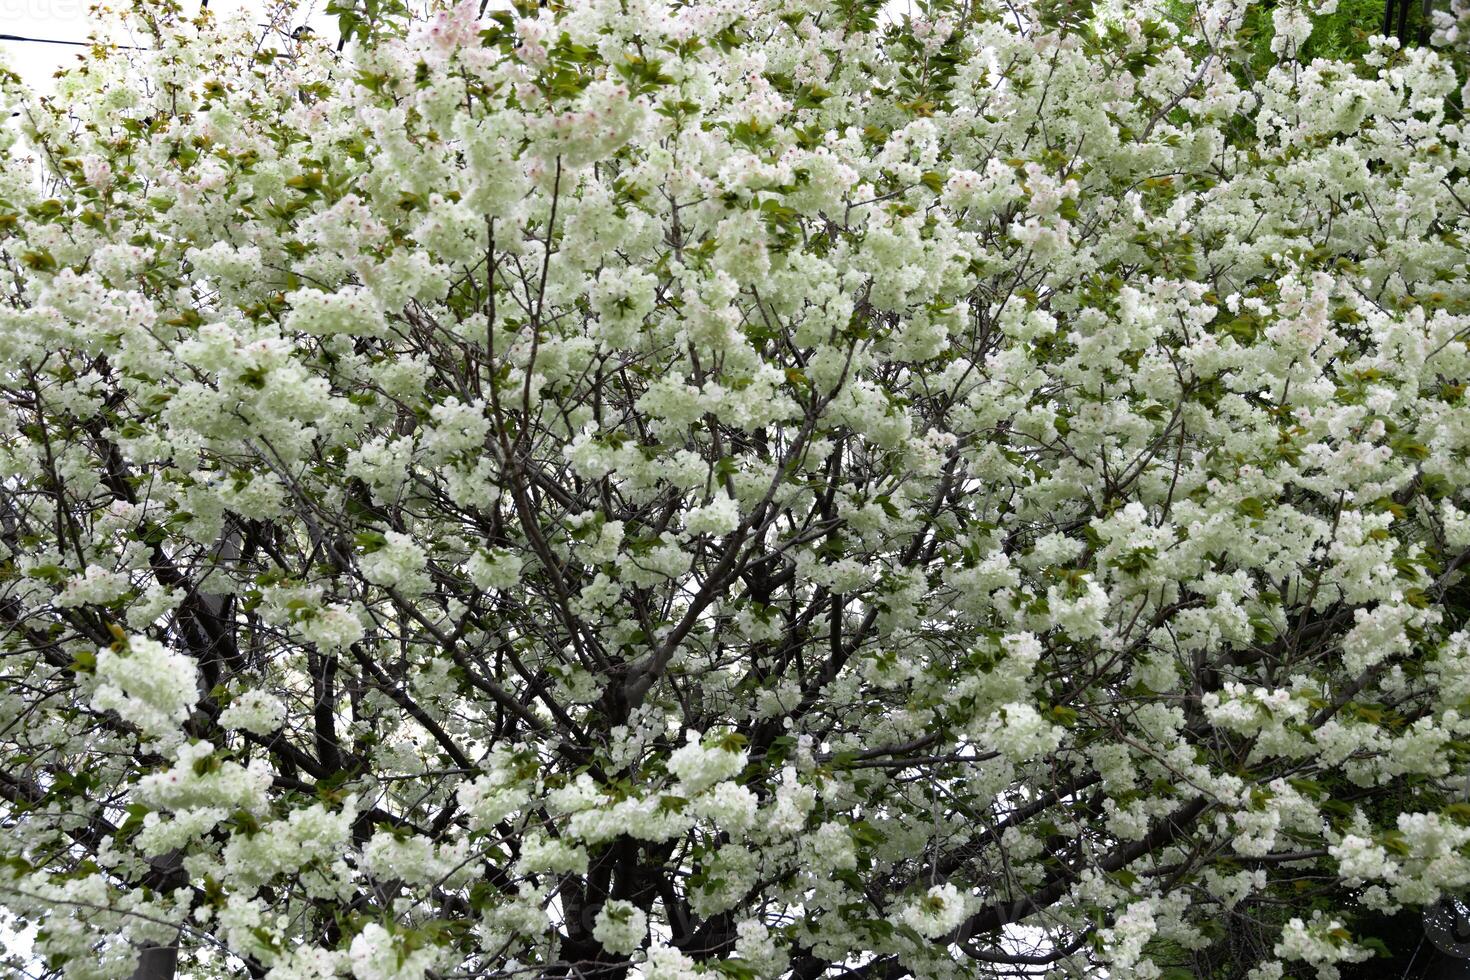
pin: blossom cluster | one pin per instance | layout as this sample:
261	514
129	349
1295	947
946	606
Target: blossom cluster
775	488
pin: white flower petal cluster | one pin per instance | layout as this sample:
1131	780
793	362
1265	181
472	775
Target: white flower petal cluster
938	912
1321	943
492	797
197	779
333	627
147	684
308	844
399	563
1019	732
702	762
621	927
719	516
255	711
95	586
377	954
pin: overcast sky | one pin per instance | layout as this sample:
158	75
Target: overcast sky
58	19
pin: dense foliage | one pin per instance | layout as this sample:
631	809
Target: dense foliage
725	488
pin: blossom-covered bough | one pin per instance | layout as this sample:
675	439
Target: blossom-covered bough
749	489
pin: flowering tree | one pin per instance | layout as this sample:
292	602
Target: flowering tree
636	488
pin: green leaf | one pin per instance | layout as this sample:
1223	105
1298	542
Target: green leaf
1064	715
370	541
1378	946
1251	507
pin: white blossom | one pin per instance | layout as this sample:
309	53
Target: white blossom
148	684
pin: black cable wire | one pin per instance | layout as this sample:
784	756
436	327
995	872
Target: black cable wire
44	40
71	44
